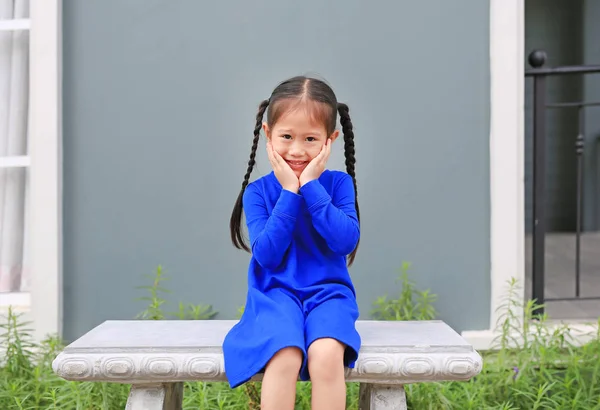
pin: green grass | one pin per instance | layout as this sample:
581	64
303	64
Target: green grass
545	371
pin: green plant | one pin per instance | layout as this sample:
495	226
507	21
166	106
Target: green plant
27	380
240	311
154	309
411	303
536	366
19	349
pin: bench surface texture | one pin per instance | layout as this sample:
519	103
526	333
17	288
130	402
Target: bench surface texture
167	351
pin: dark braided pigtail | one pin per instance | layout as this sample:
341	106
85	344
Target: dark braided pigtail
235	223
349	152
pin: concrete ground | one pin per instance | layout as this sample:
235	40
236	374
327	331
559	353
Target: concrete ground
560	275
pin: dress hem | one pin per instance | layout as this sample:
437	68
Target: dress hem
243	377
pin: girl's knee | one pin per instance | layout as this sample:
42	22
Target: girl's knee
326	359
287	361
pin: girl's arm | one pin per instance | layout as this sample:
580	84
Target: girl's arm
270	236
334	218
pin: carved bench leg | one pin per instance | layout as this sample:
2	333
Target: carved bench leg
381	397
167	396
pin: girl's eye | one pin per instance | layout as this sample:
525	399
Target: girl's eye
287	136
311	139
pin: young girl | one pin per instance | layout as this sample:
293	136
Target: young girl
303	225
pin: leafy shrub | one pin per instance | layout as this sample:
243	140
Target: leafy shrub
536	365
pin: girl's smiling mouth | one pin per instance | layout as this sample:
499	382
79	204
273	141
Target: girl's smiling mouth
296	164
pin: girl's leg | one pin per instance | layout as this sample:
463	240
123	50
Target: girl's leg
326	369
278	391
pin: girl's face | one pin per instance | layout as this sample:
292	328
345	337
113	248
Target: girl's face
297	138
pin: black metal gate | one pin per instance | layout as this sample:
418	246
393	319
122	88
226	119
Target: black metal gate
539	75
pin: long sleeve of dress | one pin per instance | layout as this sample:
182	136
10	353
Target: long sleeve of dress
270	235
334	217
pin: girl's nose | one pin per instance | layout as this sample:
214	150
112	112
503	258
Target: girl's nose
296	150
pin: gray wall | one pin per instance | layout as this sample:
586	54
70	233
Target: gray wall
159	104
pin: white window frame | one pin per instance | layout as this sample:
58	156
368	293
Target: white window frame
507	79
507	128
43	302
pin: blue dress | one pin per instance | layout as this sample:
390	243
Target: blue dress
299	287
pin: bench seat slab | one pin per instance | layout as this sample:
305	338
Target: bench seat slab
135	352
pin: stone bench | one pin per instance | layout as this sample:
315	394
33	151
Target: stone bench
155	357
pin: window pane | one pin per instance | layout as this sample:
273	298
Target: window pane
14	9
14	91
13	227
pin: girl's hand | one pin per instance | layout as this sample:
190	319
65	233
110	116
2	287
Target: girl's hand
315	168
285	175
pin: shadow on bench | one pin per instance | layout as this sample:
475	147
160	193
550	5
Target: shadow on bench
155	357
